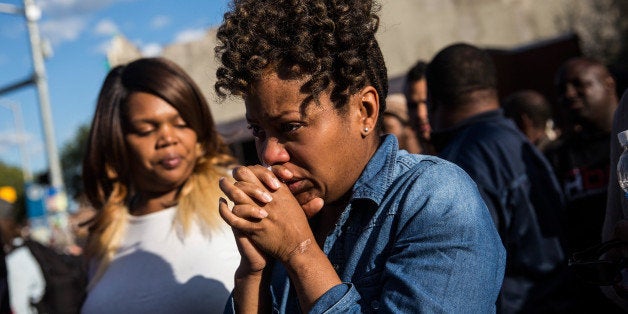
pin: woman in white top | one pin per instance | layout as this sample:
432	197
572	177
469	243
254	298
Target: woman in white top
157	243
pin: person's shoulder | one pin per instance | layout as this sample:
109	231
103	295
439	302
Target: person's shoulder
496	131
484	135
19	253
416	163
432	169
22	258
436	187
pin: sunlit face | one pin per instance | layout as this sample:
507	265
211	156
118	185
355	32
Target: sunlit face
320	145
163	148
584	92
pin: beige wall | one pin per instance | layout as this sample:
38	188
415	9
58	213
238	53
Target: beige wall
414	29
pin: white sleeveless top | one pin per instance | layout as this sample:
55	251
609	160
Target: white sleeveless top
156	270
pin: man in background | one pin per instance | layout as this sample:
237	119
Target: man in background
516	181
533	115
580	157
416	97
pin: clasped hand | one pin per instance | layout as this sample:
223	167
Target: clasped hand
267	220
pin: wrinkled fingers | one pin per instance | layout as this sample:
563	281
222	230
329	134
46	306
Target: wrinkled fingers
241	217
241	192
255	174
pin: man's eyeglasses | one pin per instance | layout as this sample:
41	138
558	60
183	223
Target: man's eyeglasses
588	266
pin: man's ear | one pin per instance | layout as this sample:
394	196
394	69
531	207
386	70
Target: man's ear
610	83
368	106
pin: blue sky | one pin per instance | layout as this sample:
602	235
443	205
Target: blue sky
79	32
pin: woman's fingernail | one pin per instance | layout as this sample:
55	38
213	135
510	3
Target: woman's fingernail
263	213
275	183
266	197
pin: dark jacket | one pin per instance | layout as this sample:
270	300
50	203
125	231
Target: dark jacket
523	196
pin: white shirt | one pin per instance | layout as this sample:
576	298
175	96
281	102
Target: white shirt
156	270
26	280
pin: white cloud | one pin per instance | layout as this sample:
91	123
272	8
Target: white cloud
189	35
61	8
151	50
63	29
103	48
160	21
66	20
106	27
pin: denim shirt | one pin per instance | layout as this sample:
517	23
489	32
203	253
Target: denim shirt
415	237
523	196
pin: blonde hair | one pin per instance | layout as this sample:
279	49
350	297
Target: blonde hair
198	193
107	174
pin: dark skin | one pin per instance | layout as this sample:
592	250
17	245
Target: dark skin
587	95
316	154
164	151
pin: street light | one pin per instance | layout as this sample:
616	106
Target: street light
32	13
18	122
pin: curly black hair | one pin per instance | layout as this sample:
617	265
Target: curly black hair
332	42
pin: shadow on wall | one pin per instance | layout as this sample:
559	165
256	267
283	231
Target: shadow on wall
531	66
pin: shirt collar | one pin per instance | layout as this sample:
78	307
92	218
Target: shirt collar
378	173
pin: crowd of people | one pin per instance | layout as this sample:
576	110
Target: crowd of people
446	197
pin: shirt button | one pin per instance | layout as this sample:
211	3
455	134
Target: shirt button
375	305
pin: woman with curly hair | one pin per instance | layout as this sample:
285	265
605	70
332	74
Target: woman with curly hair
338	218
157	243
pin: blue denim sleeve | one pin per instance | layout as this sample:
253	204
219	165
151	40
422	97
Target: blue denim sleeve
446	255
335	299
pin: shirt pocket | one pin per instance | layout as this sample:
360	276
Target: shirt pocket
370	289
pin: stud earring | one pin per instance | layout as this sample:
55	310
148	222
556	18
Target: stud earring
366	129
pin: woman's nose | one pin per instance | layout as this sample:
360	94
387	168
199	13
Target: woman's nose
570	91
166	136
272	152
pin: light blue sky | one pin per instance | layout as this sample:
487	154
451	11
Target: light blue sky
79	32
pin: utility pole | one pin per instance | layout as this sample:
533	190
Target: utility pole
32	13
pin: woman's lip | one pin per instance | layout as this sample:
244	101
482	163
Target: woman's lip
295	186
170	162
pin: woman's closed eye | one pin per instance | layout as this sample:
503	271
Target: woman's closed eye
180	123
143	130
257	131
290	127
282	128
181	126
